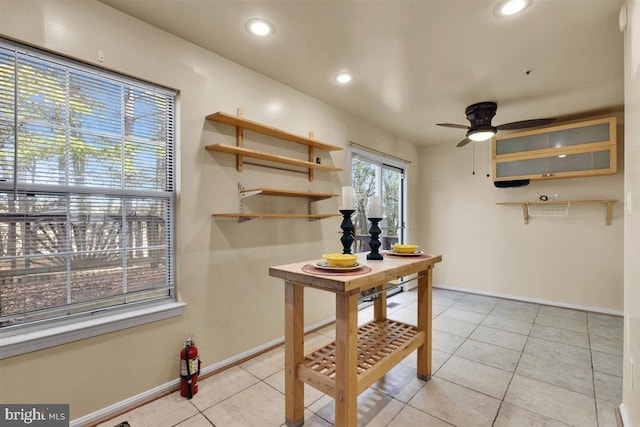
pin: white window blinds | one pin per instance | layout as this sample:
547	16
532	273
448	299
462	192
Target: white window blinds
86	189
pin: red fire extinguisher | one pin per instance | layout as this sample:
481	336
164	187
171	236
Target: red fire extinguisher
189	369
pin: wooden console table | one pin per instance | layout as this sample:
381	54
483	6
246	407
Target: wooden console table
359	356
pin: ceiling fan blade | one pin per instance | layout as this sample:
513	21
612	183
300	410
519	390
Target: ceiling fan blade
525	124
463	142
452	125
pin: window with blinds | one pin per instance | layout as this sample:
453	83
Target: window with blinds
86	189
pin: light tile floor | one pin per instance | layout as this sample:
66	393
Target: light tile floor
496	362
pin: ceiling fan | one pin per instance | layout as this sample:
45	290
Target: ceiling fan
480	115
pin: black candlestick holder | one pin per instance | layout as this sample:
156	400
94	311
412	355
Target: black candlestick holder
374	243
347	230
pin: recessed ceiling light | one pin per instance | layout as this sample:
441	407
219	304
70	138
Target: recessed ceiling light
260	27
511	7
343	77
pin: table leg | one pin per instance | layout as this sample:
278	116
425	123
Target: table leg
425	287
293	353
346	378
380	306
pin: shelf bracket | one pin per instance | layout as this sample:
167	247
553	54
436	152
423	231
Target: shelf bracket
242	219
239	142
311	159
244	194
311	211
241	196
609	209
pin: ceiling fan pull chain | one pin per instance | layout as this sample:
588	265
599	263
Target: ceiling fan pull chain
489	158
473	167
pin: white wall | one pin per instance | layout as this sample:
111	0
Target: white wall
222	266
574	260
631	395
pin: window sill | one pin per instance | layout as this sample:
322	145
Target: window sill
13	345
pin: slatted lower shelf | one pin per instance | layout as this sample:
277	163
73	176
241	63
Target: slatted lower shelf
381	345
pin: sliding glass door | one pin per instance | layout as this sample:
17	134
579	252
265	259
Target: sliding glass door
372	175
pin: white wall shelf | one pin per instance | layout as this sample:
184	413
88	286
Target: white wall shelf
562	204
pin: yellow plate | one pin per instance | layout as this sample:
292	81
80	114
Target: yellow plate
406	253
323	265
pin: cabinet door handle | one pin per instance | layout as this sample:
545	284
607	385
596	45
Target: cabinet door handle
548	174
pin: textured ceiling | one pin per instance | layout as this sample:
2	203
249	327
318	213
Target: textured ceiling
418	62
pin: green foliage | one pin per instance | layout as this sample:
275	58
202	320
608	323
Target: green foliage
68	120
364	181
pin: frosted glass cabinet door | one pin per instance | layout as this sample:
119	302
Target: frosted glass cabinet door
572	150
555	165
555	139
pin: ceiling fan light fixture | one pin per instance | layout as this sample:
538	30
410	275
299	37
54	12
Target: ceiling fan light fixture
481	134
511	7
479	116
260	27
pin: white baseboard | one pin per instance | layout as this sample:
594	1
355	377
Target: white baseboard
124	404
623	416
532	300
134	401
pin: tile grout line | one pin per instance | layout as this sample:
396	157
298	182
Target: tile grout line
593	375
512	374
515	368
469	337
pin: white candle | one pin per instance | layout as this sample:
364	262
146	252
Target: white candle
347	198
375	207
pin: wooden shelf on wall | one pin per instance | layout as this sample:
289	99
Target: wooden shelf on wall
241	124
287	193
242	217
244	193
526	212
246	152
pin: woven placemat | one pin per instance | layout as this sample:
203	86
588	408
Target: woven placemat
308	268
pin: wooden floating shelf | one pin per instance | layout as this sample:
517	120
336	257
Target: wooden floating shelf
244	193
242	217
287	193
240	151
525	206
381	345
243	123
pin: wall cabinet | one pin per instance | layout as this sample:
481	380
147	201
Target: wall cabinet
573	150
